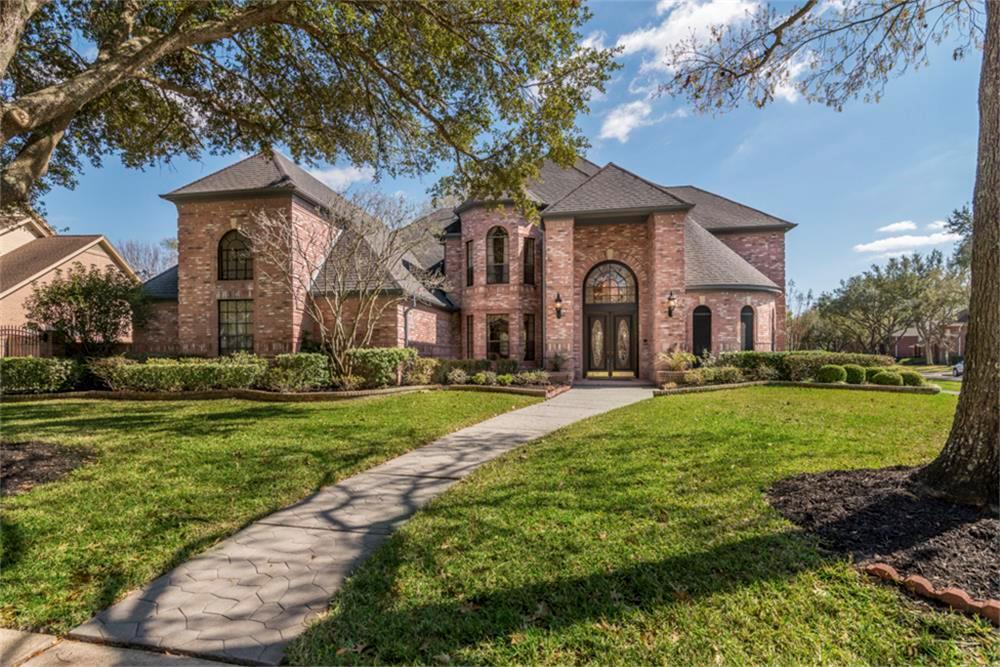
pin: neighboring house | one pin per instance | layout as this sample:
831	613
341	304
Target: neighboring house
31	254
619	270
909	344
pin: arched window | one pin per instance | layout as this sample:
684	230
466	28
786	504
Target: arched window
702	330
746	325
496	255
235	258
610	282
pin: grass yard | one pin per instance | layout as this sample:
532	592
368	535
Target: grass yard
643	537
947	385
171	478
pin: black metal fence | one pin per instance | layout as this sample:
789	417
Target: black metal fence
17	341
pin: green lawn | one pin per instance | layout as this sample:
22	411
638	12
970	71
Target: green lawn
643	537
947	384
171	478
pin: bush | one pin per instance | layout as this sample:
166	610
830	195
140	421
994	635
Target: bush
506	366
557	362
505	379
762	373
831	373
420	370
347	382
752	363
380	366
239	371
887	378
532	378
912	378
872	372
467	366
457	376
484	378
722	375
805	365
676	361
695	378
855	374
304	371
36	375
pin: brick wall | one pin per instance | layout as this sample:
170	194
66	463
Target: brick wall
158	336
766	252
726	307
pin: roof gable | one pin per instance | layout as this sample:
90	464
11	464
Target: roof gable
718	214
36	257
711	264
614	189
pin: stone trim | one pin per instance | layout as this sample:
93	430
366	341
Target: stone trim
956	598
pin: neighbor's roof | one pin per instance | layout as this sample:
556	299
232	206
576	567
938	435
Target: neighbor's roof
35	257
424	236
711	264
162	287
718	214
269	171
613	190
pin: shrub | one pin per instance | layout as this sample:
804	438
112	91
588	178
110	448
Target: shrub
872	372
239	371
722	375
380	366
912	378
35	375
347	382
805	365
888	378
506	366
505	379
831	373
762	373
420	370
557	362
468	366
304	371
752	363
676	361
532	378
457	376
855	373
695	378
484	378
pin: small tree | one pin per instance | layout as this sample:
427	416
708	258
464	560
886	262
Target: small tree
348	271
87	306
960	222
942	291
149	259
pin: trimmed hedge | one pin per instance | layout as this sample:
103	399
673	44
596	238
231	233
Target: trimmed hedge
912	378
239	371
467	366
506	366
751	361
799	365
380	366
855	373
887	378
304	371
831	373
420	370
36	375
722	375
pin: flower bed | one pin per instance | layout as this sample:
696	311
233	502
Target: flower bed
929	389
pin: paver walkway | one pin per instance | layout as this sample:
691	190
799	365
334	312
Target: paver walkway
27	649
247	597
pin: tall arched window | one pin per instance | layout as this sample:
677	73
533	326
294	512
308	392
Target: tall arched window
496	255
235	258
746	325
702	330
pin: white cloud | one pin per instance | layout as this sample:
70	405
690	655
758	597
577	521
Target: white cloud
937	225
902	226
907	242
340	178
594	40
684	19
621	120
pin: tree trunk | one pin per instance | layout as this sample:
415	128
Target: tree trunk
968	468
14	15
31	163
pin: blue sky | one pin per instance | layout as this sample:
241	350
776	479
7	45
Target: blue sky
904	163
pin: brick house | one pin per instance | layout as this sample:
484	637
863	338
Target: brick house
619	270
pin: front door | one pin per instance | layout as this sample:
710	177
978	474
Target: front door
611	345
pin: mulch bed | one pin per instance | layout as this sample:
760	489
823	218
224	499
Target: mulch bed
25	464
874	516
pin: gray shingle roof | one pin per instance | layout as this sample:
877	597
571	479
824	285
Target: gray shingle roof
717	213
34	256
261	172
711	264
554	182
424	235
162	287
613	189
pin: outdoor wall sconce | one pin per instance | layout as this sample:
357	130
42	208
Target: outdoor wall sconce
558	306
671	304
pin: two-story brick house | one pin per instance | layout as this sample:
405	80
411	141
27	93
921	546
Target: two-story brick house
619	270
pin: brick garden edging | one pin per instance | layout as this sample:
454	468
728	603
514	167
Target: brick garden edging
543	392
956	598
784	383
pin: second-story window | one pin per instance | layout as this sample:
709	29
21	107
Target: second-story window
235	258
469	273
496	255
529	261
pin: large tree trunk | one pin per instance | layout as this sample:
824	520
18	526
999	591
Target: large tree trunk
14	15
968	469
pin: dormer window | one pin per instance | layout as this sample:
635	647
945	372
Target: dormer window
496	256
235	257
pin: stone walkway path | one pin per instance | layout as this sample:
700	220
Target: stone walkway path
247	597
27	649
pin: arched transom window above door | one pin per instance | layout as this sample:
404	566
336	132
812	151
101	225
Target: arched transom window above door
610	282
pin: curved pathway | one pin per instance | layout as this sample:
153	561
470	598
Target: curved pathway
247	597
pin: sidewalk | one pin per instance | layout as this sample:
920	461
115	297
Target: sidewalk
247	597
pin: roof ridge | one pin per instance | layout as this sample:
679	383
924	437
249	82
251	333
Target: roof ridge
217	171
651	184
733	201
726	250
586	180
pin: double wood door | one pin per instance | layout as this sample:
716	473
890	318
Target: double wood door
610	344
